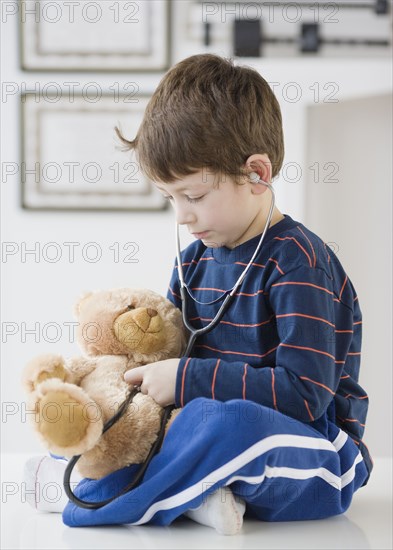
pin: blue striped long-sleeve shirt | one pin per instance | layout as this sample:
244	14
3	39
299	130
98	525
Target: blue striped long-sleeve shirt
291	339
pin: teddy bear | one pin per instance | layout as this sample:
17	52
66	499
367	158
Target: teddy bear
117	330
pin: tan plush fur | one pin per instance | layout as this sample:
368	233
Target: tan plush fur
117	330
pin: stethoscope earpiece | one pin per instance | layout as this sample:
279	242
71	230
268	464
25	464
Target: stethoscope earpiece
254	177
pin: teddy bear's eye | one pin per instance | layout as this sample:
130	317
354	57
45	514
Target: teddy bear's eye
130	307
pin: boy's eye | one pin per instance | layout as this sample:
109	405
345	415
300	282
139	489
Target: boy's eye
189	199
197	199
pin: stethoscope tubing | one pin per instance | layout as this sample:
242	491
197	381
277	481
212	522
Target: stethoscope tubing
195	333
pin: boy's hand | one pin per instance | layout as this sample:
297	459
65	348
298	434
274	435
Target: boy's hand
156	379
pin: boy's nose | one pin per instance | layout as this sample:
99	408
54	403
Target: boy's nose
184	216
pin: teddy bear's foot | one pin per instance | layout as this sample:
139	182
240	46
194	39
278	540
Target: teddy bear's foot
220	510
68	420
43	483
44	367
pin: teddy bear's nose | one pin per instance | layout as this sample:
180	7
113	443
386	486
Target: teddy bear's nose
151	312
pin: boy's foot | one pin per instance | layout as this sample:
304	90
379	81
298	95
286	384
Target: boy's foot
43	478
220	510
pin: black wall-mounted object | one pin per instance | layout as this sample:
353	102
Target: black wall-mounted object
247	38
309	38
207	34
381	7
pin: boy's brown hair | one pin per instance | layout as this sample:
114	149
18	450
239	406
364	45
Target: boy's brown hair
207	114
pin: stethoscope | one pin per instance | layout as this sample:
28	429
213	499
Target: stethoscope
231	292
193	335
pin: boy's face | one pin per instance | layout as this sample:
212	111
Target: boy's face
224	215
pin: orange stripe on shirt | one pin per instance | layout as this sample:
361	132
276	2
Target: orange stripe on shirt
174	293
245	324
351	420
244	381
299	245
310	243
236	352
253	263
308	349
277	266
183	383
317	383
342	288
355	397
305	284
273	390
250	325
185	264
308	410
214	377
307	317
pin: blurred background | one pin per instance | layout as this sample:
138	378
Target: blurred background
77	215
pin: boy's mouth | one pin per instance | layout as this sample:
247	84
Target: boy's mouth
201	235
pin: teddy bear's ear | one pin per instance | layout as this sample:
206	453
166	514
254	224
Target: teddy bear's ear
77	305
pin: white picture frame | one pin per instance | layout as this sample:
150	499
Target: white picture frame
71	157
107	36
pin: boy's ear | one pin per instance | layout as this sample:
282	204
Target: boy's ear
260	163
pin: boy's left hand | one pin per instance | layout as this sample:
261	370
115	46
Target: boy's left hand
156	379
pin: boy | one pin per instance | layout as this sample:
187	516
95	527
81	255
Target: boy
273	412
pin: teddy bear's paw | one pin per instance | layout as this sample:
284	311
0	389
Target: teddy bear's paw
44	367
67	419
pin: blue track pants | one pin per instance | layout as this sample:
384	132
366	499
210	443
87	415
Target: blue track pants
282	468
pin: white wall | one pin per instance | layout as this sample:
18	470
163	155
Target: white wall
42	293
353	211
